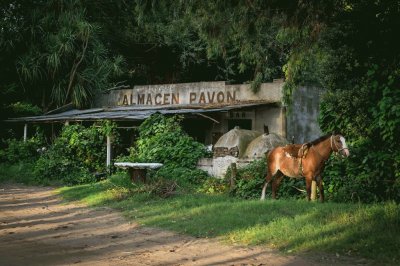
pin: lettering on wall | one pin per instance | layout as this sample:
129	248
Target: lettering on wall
176	98
149	99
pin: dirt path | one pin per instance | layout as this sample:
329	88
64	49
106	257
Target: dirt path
36	228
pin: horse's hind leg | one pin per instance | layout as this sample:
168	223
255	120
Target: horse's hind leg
308	187
276	182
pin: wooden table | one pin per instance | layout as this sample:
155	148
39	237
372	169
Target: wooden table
138	171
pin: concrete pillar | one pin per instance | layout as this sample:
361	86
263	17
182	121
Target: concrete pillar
66	123
108	162
25	132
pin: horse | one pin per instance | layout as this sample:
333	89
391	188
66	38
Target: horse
303	160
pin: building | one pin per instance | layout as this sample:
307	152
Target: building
210	109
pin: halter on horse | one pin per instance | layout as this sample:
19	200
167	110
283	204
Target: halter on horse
303	160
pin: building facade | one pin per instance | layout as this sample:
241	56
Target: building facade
211	108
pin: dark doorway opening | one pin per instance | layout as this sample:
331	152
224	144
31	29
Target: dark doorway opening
197	128
242	123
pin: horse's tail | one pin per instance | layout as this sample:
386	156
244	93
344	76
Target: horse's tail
267	155
263	190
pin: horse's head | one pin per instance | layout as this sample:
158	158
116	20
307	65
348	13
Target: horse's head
338	144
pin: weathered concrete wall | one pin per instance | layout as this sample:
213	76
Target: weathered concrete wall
199	93
217	167
302	119
271	116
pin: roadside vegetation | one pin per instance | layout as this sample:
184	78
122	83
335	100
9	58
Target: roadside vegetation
290	225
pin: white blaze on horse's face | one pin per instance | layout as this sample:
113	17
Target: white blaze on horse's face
345	149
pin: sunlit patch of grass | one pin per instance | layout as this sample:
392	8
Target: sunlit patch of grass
370	231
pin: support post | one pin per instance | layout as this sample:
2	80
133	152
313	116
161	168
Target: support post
108	162
25	132
66	123
313	190
283	121
233	176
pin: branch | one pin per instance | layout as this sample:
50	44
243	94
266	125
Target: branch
75	67
118	87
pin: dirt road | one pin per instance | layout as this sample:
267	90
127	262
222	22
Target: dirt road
37	228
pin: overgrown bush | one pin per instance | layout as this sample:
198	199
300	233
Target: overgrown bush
214	186
19	172
365	109
185	177
366	176
162	139
21	151
249	180
76	154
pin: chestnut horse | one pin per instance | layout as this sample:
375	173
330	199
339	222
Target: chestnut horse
303	160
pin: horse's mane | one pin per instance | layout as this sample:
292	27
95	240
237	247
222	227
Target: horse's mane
320	139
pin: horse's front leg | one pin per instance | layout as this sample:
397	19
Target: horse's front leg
275	183
320	188
308	187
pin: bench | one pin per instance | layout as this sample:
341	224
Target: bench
138	171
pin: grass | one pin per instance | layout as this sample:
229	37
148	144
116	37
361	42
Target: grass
370	231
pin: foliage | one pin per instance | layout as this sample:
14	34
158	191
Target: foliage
22	151
76	154
214	186
60	55
19	172
161	139
367	176
370	117
185	178
24	109
232	41
249	180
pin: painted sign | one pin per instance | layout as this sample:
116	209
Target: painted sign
199	93
178	94
204	97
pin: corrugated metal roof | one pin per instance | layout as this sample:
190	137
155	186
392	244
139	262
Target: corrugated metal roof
128	113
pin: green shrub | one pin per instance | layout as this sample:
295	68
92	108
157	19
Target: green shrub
24	109
162	139
364	176
76	154
249	180
21	151
214	186
184	177
368	114
19	172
